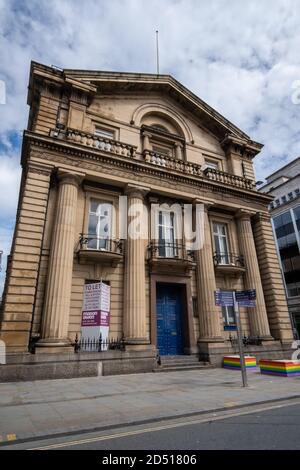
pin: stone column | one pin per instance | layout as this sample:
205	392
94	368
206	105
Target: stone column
209	314
55	320
258	318
135	330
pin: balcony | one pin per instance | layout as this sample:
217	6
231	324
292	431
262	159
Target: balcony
170	257
117	148
100	143
99	250
164	161
228	179
229	263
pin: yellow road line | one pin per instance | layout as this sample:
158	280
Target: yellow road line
157	428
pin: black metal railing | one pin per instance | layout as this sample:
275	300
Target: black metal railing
172	250
98	344
247	341
228	259
92	242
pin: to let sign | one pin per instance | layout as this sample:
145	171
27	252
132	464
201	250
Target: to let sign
95	317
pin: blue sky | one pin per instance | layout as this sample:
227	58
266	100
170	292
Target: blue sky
241	57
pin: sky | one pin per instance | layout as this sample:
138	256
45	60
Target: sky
242	58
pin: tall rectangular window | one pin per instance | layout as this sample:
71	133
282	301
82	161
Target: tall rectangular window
228	318
100	225
221	243
166	234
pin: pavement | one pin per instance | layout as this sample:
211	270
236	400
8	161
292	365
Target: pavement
47	408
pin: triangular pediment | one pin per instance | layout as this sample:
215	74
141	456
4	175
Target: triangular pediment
106	83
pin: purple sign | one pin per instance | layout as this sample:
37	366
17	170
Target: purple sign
90	318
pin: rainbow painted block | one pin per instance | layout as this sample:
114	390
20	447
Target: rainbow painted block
283	368
233	362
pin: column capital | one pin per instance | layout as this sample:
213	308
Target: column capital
68	177
134	191
178	144
146	134
243	214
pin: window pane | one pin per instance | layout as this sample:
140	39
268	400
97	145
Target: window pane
228	316
94	205
217	244
100	220
221	244
104	133
93	219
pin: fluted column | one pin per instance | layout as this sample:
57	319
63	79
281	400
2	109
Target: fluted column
258	318
135	330
55	320
209	314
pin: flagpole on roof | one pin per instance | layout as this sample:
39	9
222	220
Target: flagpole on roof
157	53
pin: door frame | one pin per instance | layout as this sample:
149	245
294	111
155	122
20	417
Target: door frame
188	331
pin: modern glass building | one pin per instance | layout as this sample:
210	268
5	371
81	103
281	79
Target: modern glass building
284	185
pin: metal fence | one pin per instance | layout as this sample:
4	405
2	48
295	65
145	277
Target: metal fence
98	344
247	341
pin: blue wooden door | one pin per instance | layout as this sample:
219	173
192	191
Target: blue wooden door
169	320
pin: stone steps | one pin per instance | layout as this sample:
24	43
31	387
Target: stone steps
180	363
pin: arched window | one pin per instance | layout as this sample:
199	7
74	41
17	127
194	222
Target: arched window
162	138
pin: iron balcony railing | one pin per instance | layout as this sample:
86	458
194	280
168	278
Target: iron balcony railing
171	250
91	242
229	259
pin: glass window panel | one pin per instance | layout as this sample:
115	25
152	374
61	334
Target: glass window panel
99	228
297	213
166	233
93	220
221	243
228	316
104	133
94	205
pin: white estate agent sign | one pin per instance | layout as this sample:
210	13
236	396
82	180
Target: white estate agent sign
95	311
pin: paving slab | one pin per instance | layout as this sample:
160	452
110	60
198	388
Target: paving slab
42	408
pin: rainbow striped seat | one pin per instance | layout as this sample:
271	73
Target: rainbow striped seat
283	368
233	362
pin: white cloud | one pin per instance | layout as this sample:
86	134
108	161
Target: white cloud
9	183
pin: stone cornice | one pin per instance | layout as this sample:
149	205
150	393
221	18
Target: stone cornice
44	169
134	167
244	147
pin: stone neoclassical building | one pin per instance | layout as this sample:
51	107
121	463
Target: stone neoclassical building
93	137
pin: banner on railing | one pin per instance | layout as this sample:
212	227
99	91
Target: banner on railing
96	311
